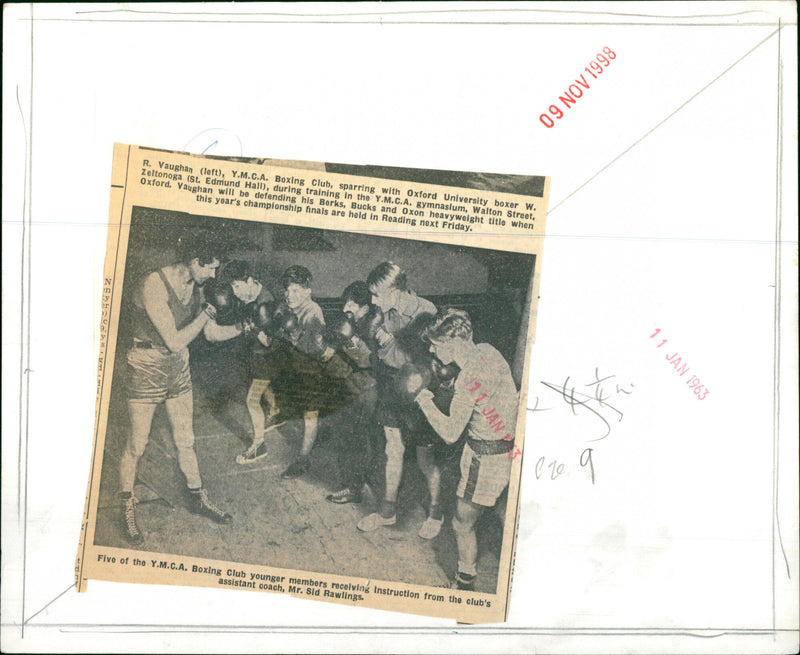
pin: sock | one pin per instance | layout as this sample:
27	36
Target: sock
124	495
387	509
435	513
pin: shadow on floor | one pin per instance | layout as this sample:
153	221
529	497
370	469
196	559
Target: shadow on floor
283	524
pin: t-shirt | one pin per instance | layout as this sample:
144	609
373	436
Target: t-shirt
399	337
486	385
308	337
485	400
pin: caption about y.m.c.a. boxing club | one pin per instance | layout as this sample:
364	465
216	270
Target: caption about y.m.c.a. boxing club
443	211
241	578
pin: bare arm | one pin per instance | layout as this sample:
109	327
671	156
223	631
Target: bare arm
155	298
215	332
449	428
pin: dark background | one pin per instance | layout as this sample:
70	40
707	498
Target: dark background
490	285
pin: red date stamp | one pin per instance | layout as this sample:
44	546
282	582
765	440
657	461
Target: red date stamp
495	422
575	91
682	369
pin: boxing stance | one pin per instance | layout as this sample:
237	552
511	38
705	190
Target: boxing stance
168	313
484	402
300	382
353	421
394	332
254	314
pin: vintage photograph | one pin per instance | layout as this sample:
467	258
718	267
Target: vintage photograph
314	400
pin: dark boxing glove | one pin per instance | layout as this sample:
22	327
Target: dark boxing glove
376	334
285	320
411	380
444	372
227	305
260	316
342	329
374	320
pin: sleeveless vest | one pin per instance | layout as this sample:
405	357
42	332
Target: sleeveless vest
143	328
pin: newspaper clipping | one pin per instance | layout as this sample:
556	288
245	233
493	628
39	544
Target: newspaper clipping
312	380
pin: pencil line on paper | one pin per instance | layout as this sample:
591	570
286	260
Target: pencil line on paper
418	12
780	300
664	120
412	22
325	629
50	603
26	330
21	307
777	334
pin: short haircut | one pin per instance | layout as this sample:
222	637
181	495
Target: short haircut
450	323
235	270
199	245
299	275
358	292
387	273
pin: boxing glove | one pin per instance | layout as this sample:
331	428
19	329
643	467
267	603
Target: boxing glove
221	297
444	372
377	334
374	320
342	329
261	316
410	380
284	319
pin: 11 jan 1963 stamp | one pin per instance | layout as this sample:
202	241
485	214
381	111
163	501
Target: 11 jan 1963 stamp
313	380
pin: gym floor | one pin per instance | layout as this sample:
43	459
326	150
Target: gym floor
281	523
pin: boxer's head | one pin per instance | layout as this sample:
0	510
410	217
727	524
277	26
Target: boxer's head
449	334
386	282
296	283
239	275
198	252
356	298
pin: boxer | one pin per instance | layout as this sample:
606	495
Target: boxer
168	314
394	329
485	403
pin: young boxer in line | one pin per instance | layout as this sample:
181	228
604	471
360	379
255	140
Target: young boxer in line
296	355
394	329
255	315
485	403
353	422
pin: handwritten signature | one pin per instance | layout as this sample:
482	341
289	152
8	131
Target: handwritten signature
595	403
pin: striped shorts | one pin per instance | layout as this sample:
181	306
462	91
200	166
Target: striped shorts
483	477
